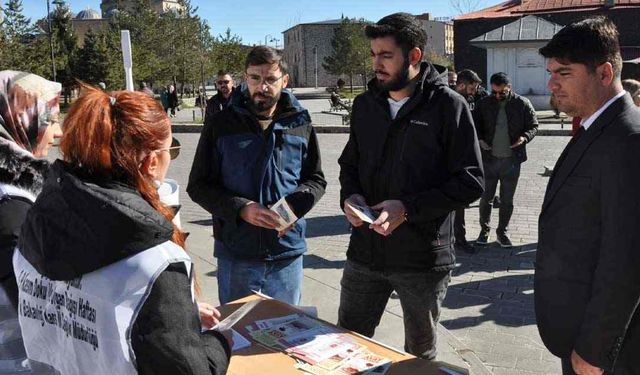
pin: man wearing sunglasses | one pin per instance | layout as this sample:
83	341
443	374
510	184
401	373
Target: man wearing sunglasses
220	101
258	150
505	122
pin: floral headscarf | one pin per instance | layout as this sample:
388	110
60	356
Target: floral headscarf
28	105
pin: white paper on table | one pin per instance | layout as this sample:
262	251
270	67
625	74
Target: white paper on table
365	213
287	217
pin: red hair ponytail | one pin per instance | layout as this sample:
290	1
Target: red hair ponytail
106	135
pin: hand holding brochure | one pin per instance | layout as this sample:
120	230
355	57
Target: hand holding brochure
365	213
287	217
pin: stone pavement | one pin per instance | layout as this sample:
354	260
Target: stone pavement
489	306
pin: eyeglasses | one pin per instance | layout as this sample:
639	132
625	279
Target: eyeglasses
225	82
174	149
256	80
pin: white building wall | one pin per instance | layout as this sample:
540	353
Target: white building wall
526	68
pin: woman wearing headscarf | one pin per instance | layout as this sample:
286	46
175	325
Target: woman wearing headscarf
105	284
29	108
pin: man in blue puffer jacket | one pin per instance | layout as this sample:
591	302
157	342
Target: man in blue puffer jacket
260	149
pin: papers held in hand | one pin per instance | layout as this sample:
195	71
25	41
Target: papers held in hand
234	317
365	213
287	217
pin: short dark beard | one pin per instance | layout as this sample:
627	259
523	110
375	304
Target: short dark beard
266	105
398	82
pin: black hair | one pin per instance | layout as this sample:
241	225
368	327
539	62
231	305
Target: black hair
468	76
500	79
403	27
592	42
260	55
222	72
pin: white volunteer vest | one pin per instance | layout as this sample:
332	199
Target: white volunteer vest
84	326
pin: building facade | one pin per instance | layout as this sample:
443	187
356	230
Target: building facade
90	19
475	49
439	34
306	45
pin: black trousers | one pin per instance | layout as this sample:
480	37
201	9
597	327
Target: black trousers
507	172
365	293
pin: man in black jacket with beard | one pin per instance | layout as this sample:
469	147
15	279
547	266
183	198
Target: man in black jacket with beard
412	156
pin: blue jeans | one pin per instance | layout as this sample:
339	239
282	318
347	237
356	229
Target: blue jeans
280	279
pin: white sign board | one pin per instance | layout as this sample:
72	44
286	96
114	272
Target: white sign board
125	41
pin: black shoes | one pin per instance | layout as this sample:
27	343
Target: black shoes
483	238
504	240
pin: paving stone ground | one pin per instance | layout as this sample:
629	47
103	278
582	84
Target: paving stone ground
489	304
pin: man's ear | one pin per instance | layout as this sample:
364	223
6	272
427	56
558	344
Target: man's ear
605	74
415	56
285	81
149	166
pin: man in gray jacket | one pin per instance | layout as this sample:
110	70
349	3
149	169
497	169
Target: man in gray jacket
505	122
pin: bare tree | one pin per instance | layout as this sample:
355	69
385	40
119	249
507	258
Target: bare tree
466	6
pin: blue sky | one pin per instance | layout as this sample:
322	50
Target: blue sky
254	19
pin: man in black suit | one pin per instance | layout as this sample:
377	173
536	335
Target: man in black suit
587	281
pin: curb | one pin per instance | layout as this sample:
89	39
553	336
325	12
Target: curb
341	129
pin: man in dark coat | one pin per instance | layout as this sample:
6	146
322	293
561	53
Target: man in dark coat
467	85
412	156
222	99
587	281
505	122
250	156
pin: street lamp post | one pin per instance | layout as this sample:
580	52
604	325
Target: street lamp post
53	60
315	69
266	38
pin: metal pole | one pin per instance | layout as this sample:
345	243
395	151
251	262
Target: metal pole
53	59
315	70
125	42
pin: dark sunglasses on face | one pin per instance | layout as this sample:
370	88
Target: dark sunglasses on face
500	94
225	82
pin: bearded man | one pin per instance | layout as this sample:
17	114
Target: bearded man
258	150
413	158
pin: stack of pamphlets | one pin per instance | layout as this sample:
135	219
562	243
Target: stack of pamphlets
318	348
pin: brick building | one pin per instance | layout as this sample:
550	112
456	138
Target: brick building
473	55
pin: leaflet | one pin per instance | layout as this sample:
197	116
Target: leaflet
287	217
365	213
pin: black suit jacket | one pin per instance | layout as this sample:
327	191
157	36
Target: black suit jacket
587	281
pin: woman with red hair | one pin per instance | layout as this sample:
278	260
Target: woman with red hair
105	283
